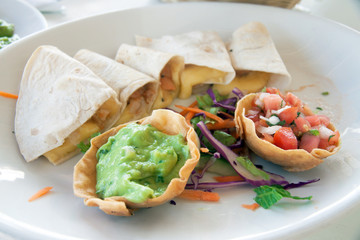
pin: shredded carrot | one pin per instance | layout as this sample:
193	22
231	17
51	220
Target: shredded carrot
184	112
227	123
228	178
189	116
199	195
253	206
197	110
204	150
8	95
40	193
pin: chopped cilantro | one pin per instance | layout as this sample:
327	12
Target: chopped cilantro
319	108
330	137
266	196
325	93
314	132
282	104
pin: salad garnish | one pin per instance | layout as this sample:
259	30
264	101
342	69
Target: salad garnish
227	155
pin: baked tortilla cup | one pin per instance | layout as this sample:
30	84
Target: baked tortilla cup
291	160
165	121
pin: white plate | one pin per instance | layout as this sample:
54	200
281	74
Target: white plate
315	51
26	18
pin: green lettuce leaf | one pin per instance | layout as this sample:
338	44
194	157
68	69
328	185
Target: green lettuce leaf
248	164
85	146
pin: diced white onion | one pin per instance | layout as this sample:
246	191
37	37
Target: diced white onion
268	130
259	103
277	112
253	112
272	119
324	132
262	95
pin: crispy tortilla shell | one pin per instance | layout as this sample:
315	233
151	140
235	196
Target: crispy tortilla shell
166	121
291	160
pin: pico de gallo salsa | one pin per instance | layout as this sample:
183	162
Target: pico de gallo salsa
285	121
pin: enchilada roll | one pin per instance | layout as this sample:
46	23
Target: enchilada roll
138	165
256	60
164	67
61	103
206	58
136	91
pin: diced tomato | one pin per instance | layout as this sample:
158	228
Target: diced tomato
261	122
335	139
288	114
292	100
268	138
323	144
272	90
308	142
302	124
254	118
272	102
324	120
314	120
285	138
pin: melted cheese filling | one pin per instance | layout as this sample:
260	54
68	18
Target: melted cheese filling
169	84
249	82
194	75
95	124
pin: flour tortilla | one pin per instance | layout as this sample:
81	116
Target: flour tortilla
57	95
157	64
125	81
206	58
251	48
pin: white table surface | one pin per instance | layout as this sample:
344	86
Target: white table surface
346	12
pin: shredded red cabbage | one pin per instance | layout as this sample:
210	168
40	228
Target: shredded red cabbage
300	184
195	176
212	185
230	156
238	93
219	104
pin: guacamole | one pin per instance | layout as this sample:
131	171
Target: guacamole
139	162
7	35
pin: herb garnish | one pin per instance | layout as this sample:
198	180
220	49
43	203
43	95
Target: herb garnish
325	93
314	132
330	137
266	196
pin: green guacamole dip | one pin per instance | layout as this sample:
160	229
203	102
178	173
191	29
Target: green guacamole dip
7	35
139	162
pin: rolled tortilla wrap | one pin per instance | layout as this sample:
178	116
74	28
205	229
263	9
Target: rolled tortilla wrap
206	58
61	103
256	60
165	67
136	91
